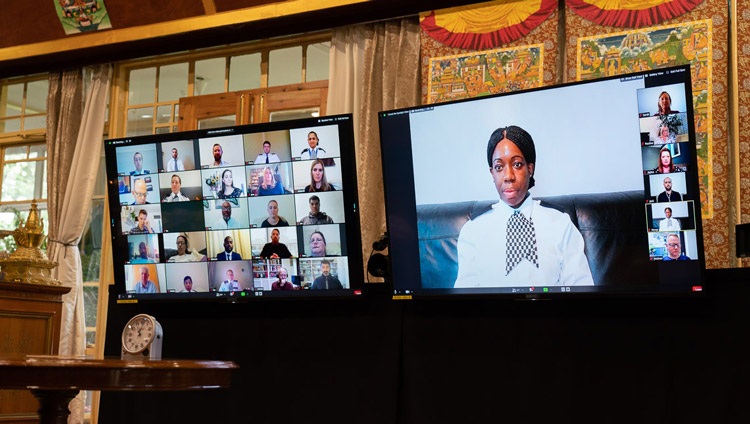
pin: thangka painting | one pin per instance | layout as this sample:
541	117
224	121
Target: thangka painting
658	47
486	72
77	16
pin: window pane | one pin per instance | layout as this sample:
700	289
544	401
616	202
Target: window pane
90	296
173	82
36	97
35	122
7	222
13	95
244	72
140	121
142	86
43	181
163	114
91	243
209	76
161	130
10	125
38	151
16	153
20	185
317	62
285	66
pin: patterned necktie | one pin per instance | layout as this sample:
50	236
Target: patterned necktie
520	242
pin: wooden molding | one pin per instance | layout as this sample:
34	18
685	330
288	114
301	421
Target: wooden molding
212	21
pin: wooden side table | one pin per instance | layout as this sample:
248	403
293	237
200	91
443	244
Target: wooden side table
30	317
55	380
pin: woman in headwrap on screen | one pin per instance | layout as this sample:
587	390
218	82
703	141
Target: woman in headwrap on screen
519	242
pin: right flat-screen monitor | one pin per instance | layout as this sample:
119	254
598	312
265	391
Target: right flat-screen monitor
587	188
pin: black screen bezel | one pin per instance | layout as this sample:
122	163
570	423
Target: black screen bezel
401	213
352	239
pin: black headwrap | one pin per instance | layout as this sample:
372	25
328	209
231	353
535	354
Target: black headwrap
520	138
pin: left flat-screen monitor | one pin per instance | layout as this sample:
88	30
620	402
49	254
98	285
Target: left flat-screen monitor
239	213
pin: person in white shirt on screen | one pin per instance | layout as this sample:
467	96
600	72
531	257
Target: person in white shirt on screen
176	195
175	164
138	162
188	283
144	285
226	221
669	223
218	153
230	284
184	254
519	242
313	151
267	156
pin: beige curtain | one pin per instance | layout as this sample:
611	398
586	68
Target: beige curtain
74	144
374	67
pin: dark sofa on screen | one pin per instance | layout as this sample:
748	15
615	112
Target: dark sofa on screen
613	227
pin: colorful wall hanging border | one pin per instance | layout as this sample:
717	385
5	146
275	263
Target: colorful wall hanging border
631	14
483	73
658	47
487	25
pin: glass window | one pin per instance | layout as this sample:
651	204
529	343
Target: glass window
36	97
317	62
10	125
285	66
12	95
38	122
209	76
37	151
164	114
173	82
142	86
16	152
140	121
19	182
244	72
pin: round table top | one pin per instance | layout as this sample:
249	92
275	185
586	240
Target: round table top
65	373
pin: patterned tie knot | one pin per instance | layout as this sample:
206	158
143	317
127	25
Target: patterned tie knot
521	242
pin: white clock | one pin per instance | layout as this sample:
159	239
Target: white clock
141	338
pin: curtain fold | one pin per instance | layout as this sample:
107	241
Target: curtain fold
380	71
74	143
